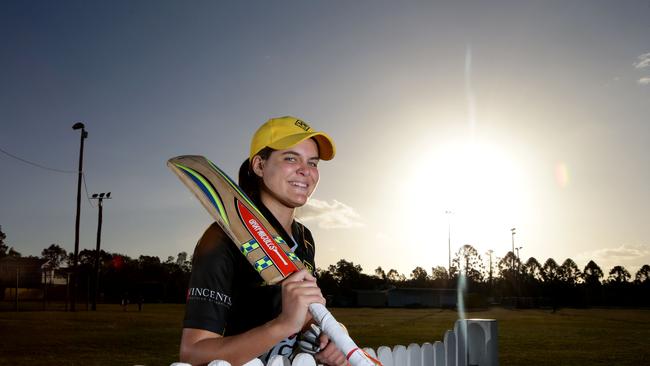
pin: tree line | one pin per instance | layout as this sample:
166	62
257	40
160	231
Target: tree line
506	280
120	277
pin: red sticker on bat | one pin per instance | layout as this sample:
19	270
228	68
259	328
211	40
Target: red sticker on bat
270	247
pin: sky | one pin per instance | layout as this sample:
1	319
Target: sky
530	115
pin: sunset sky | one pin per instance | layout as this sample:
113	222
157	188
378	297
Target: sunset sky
525	114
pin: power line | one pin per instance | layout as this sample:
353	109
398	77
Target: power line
37	165
83	176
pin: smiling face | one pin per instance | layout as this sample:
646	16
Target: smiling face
289	176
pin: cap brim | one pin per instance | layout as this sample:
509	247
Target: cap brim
326	147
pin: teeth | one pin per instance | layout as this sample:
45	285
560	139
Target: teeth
298	184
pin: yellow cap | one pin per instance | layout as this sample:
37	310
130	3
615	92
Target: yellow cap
284	132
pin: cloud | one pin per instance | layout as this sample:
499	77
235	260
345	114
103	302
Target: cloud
644	81
336	215
644	61
625	255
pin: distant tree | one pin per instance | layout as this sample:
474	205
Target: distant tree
148	260
569	272
533	269
346	273
592	273
453	272
394	276
439	273
183	262
643	274
505	265
619	274
379	272
3	247
87	257
469	262
419	276
490	270
55	255
14	253
5	250
551	270
327	282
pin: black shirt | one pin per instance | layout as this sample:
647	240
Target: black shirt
226	295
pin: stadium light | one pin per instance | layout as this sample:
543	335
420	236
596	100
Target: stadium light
100	199
75	258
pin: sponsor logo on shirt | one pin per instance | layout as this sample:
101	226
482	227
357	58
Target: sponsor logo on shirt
206	294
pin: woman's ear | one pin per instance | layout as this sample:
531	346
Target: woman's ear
258	166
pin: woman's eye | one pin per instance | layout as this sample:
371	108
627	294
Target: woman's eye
313	165
289	158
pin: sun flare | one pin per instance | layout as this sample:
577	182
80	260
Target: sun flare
478	187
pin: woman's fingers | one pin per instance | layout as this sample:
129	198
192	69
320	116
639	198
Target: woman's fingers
302	275
298	291
331	355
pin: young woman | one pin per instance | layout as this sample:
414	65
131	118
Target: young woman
230	314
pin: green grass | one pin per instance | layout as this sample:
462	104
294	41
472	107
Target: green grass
526	337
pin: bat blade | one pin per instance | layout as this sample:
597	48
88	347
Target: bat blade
240	219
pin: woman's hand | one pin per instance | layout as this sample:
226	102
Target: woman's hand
330	354
298	291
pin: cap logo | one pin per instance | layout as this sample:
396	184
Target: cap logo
302	125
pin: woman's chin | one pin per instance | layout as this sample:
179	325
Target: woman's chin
297	201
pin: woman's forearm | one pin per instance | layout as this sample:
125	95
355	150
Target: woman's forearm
237	349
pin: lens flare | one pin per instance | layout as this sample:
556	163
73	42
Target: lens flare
562	174
461	292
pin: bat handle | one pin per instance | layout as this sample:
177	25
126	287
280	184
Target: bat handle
355	355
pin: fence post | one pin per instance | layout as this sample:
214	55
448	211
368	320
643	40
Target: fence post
399	355
427	354
482	342
414	355
385	356
450	348
439	354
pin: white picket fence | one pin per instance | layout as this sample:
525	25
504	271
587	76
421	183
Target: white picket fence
472	342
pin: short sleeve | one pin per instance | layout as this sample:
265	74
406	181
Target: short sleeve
209	294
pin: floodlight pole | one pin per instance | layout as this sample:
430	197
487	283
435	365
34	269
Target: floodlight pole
489	253
100	199
75	279
513	231
449	241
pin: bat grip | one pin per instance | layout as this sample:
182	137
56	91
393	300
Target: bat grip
339	336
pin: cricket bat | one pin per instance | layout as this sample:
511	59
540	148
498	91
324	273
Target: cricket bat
263	247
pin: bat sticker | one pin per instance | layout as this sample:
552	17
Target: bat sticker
265	240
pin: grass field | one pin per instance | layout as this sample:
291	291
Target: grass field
526	337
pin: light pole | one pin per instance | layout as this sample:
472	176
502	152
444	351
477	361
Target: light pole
513	231
448	213
489	253
100	199
75	279
518	269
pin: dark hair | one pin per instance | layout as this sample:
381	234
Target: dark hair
248	180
